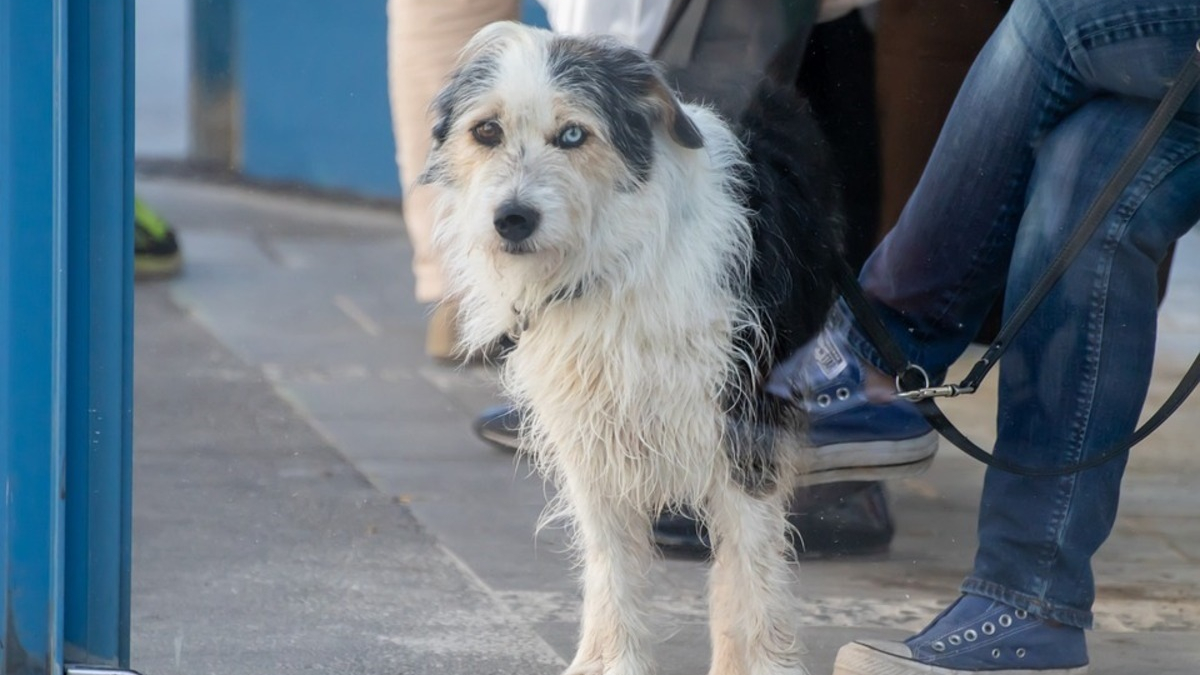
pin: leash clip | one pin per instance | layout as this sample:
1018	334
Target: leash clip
927	390
944	391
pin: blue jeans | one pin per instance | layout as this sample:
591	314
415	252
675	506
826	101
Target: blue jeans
1047	112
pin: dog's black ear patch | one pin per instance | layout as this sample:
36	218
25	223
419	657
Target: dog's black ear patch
684	131
627	90
470	80
681	127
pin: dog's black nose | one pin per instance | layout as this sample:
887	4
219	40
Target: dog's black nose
515	221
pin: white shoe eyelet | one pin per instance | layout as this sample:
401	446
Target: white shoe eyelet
823	400
1005	621
970	635
1020	652
954	640
939	646
989	628
995	653
1021	614
843	393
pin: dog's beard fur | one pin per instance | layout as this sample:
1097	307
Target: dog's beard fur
640	335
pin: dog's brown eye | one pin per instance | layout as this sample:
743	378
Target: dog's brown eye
571	136
488	133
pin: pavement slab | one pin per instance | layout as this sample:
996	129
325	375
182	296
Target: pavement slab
260	549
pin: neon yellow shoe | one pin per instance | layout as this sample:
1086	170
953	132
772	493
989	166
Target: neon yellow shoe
155	251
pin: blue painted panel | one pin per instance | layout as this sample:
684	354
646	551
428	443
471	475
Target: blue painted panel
99	333
66	134
32	328
6	310
314	94
533	14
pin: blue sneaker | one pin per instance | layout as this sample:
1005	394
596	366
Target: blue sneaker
852	437
974	635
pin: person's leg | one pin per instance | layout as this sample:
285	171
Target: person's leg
424	39
925	48
1071	386
1074	380
935	275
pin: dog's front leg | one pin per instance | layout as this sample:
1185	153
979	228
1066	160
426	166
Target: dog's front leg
614	543
751	602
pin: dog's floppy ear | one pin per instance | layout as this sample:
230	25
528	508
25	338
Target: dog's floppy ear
681	127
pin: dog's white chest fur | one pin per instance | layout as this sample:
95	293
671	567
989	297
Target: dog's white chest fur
629	393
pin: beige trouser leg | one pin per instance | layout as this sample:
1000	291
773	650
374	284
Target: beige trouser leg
424	37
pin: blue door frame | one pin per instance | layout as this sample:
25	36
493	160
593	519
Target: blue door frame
66	241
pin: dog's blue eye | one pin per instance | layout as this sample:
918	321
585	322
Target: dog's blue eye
488	133
571	137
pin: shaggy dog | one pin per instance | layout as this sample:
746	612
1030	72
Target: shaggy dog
651	264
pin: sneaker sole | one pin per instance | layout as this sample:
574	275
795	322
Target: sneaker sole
859	659
871	461
148	268
498	441
833	463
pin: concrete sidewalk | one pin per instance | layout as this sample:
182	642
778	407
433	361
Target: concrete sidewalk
309	496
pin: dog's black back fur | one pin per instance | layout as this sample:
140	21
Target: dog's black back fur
798	231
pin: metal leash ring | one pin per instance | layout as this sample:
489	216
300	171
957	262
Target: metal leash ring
927	391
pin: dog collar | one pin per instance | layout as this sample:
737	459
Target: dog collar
522	317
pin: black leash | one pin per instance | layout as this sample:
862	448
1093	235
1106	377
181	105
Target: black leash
912	382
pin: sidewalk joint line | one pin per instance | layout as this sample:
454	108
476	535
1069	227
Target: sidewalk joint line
357	315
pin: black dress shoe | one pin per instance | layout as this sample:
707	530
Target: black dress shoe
500	426
834	520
